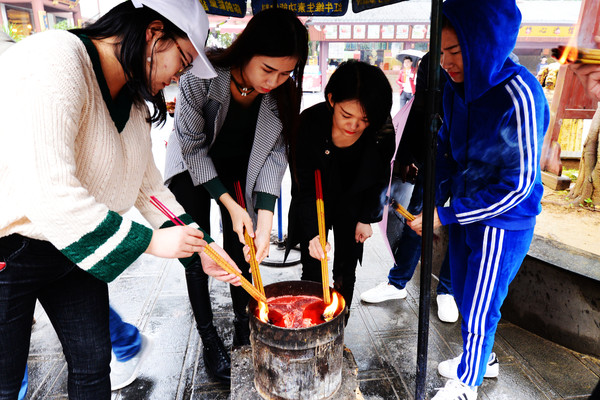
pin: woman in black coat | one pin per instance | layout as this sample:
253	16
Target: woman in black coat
345	138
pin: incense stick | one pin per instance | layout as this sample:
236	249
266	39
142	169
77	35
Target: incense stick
212	253
322	238
254	267
577	55
402	211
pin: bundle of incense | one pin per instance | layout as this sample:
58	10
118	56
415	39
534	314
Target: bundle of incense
570	55
322	237
212	253
402	211
250	242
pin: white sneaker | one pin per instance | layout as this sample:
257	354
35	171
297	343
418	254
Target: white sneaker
122	373
448	369
382	292
447	310
456	390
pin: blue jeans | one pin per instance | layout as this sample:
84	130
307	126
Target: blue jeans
125	338
407	250
76	304
23	390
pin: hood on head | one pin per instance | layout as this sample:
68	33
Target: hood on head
487	32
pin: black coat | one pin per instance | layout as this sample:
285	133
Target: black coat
359	197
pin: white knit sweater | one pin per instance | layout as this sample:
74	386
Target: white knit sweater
66	173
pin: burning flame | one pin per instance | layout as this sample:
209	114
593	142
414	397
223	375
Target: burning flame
263	312
569	54
331	309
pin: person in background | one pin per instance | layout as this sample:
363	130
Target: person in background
344	138
406	80
542	64
408	166
495	118
236	127
83	158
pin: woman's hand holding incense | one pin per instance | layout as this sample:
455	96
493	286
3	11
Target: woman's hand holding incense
316	250
176	242
262	237
213	269
417	224
239	217
362	232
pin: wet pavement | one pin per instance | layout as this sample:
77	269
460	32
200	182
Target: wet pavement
383	338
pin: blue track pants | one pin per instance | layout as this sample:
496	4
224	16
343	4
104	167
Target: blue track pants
483	262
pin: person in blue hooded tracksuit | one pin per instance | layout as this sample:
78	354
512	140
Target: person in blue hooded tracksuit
495	118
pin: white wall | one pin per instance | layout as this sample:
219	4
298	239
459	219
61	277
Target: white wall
95	8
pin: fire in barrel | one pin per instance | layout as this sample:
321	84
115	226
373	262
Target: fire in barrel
298	344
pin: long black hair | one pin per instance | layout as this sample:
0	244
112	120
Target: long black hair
129	24
356	80
273	32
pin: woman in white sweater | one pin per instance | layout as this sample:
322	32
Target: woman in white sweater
75	155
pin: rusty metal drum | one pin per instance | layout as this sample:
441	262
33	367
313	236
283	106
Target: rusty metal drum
302	363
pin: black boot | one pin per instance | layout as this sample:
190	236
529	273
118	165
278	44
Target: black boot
241	331
216	359
241	326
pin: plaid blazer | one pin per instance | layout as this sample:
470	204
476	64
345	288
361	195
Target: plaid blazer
201	110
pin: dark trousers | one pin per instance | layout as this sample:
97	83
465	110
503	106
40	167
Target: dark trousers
407	250
196	202
346	255
76	304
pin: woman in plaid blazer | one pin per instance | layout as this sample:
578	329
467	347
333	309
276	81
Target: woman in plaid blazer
237	127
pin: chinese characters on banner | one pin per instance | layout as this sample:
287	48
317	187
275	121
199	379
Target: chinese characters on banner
362	5
329	8
231	8
546	31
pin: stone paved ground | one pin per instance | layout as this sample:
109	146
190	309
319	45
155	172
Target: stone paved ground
383	338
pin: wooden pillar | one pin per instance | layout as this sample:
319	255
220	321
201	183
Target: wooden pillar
37	6
323	64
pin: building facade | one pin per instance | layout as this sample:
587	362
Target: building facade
381	36
21	18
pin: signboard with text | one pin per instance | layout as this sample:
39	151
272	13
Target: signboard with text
362	5
546	31
330	8
231	8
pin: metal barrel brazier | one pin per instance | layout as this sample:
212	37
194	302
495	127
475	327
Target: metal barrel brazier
302	363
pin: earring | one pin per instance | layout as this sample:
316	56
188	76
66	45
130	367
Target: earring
149	60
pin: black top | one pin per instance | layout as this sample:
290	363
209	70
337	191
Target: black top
231	151
353	178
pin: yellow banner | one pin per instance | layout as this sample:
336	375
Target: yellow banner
546	31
